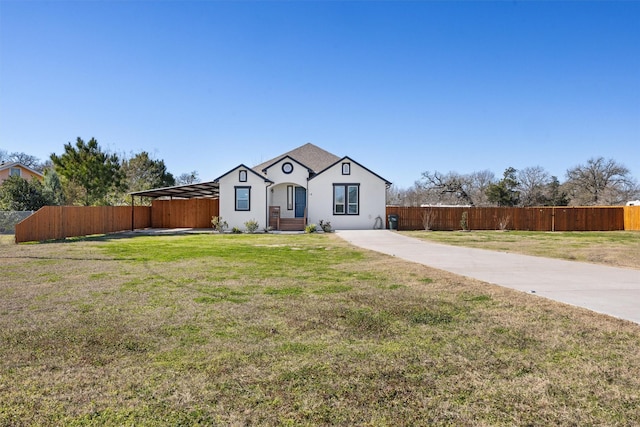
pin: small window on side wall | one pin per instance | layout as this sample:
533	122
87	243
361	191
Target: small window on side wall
346	169
15	172
242	176
243	198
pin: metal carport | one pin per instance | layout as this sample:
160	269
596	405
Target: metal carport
189	194
205	190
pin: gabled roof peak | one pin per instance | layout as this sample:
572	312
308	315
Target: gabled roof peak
6	165
242	166
310	155
347	158
286	157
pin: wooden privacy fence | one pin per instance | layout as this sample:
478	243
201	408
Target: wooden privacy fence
560	218
59	222
632	217
187	213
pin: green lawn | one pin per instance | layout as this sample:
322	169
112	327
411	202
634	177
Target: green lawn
292	330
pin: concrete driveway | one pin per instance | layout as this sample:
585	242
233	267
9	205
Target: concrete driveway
608	290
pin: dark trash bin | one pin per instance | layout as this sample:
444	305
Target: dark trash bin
393	222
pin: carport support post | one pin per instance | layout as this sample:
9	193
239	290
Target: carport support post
133	210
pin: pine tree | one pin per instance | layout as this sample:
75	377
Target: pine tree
86	166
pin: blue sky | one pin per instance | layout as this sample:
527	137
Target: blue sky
401	87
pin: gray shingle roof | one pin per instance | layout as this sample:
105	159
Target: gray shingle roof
308	154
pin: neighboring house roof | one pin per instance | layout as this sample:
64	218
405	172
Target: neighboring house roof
9	165
309	155
347	158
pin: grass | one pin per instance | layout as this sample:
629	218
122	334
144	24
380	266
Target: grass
614	248
292	330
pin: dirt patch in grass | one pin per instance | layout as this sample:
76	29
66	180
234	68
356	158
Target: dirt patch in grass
239	330
613	248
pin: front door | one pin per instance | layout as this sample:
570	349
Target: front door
301	201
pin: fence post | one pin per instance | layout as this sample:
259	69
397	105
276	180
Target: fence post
62	233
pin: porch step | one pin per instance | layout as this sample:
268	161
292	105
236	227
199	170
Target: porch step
291	224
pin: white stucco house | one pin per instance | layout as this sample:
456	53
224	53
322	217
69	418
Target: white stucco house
300	187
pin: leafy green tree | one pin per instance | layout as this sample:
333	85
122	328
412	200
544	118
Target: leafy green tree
52	188
19	194
86	167
555	194
143	173
504	192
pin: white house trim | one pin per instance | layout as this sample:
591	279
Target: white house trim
290	187
371	196
230	185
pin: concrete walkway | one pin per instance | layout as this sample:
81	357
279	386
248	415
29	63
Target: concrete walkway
609	290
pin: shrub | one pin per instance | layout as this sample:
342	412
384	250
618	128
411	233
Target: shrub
503	222
252	226
464	221
219	224
325	225
428	215
236	230
311	228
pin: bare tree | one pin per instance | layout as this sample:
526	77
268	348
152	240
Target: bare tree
188	178
450	188
26	159
394	195
600	182
23	158
428	216
533	182
480	181
412	196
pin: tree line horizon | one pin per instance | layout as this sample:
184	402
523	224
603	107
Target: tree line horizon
597	182
86	175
